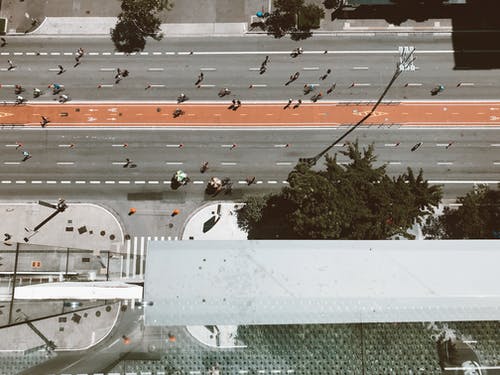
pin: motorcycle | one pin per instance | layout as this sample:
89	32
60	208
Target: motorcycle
178	112
316	97
36	93
223	92
180	178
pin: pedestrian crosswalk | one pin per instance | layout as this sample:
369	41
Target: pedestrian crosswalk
136	252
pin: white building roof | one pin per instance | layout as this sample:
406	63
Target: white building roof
278	282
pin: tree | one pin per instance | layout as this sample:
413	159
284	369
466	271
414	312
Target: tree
356	201
478	217
137	21
294	17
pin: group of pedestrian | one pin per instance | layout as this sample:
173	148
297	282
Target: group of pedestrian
290	101
120	74
235	104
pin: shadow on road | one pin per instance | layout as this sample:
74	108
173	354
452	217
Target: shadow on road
475	26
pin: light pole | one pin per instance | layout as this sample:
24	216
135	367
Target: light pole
406	60
59	207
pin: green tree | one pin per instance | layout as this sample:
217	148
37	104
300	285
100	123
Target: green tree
355	201
137	21
478	217
293	17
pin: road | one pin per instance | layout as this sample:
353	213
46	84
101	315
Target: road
171	68
93	167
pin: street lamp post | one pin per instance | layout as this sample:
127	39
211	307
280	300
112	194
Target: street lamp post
406	60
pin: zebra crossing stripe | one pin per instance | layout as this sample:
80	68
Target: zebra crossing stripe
127	264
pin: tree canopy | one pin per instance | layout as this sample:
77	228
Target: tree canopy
353	201
294	17
478	217
137	21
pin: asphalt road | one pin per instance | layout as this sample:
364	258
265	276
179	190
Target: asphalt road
94	166
367	61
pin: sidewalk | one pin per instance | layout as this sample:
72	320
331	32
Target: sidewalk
80	226
213	221
66	331
186	18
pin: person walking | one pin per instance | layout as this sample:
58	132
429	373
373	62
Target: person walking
44	121
331	88
61	69
11	65
297	105
250	180
323	77
127	163
290	100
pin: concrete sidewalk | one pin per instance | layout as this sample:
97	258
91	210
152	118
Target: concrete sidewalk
77	330
186	18
214	221
80	226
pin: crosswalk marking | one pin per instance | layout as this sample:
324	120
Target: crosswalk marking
136	251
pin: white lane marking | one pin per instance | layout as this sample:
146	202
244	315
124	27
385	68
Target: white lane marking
51	182
198	182
143	53
444	163
355	84
496	163
206	86
228	163
95	182
156	69
258	85
283	163
80	182
119	53
12	162
107	69
5	53
124	182
36	182
119	145
253	69
106	53
109	182
174	163
282	146
284	182
390	144
65	163
442	144
208	69
153	182
18	53
20	182
465	84
395	163
242	182
495	145
360	68
410	84
6	182
272	182
65	182
139	182
173	145
157	53
66	146
463	182
55	53
167	182
93	53
310	68
68	53
118	163
156	85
